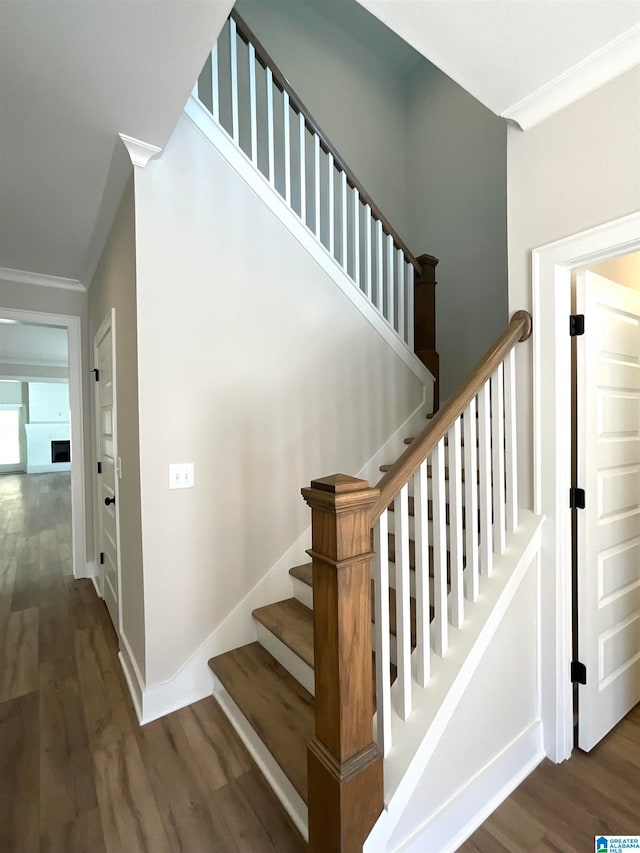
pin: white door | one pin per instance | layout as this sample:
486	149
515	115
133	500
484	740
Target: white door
107	481
608	542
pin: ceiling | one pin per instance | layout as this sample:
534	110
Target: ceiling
73	75
22	343
523	59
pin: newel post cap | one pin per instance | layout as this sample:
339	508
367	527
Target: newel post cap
340	491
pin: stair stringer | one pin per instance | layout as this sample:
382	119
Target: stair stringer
416	740
217	136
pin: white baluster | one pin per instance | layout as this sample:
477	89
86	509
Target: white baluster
439	503
367	252
511	443
471	501
456	598
379	268
303	168
390	282
233	56
484	454
403	601
253	108
497	447
423	610
382	630
270	138
356	236
400	281
215	94
343	206
316	182
410	306
287	147
330	204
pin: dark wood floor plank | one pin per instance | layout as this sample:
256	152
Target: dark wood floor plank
130	818
19	664
82	835
19	775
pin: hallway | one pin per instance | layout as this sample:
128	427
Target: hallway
77	772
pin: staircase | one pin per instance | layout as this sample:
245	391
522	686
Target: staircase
350	682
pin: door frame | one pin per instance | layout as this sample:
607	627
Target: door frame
551	306
109	322
81	569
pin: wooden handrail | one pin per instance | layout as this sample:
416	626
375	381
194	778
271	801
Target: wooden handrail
390	484
248	36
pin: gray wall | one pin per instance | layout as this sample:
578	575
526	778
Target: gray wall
457	163
114	285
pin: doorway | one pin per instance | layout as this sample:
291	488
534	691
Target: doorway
551	308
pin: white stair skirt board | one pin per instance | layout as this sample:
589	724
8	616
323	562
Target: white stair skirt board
270	769
238	160
450	827
415	740
295	666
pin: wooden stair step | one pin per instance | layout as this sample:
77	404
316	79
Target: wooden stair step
278	708
305	574
292	623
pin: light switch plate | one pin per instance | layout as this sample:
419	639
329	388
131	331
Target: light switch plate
181	475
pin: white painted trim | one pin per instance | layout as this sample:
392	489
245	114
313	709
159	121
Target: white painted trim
134	680
603	65
92	574
140	152
33	362
74	341
240	163
270	769
474	802
551	284
295	666
41	280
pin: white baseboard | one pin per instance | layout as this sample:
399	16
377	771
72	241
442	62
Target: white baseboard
270	769
132	676
472	804
85	570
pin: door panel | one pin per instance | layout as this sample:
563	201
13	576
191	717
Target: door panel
108	520
608	542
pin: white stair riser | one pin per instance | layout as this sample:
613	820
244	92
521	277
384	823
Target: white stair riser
295	666
303	592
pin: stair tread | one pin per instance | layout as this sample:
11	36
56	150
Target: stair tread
278	708
303	573
292	623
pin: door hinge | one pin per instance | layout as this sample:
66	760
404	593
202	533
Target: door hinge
99	467
101	558
578	672
576	325
96	374
576	498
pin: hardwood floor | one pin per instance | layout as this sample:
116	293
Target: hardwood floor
77	772
562	807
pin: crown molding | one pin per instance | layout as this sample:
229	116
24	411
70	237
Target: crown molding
616	57
41	280
139	152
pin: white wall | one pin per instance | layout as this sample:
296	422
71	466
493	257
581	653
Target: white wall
493	735
252	365
48	421
48	402
114	285
457	171
578	169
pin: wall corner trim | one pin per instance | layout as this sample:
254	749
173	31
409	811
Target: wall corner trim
41	279
610	61
140	152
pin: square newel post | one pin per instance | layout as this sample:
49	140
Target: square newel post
344	765
424	329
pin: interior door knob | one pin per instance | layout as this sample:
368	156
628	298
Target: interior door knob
108	501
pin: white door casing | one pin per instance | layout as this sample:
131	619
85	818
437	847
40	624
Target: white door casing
107	486
608	541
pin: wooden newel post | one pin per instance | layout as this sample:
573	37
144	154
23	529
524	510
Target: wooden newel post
343	763
424	330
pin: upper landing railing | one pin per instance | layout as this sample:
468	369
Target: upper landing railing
246	93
